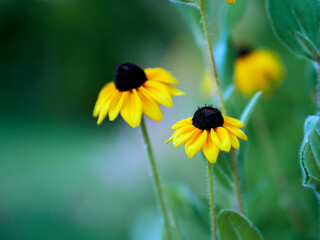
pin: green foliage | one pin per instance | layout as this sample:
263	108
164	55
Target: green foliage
296	23
310	153
223	170
193	3
234	14
225	52
249	108
233	226
226	55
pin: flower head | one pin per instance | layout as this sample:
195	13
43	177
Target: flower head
231	1
259	70
135	91
208	130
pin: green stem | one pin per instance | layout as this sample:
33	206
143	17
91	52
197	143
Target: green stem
210	51
237	181
211	201
157	182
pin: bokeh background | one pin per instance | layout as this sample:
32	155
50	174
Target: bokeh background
64	177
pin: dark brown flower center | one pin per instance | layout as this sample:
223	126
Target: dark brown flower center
128	76
206	118
243	51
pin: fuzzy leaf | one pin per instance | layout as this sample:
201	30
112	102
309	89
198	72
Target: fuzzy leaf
292	18
233	226
310	153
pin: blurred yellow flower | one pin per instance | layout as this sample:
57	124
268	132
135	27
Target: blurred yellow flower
259	70
135	91
208	130
231	1
208	87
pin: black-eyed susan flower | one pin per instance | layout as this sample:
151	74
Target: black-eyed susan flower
208	130
231	1
134	92
258	70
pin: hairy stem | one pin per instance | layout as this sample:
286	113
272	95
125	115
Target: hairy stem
210	52
157	181
211	201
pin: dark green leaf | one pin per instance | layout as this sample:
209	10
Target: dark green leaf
233	226
292	18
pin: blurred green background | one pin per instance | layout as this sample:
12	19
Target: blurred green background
64	177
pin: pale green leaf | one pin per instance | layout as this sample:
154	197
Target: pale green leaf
234	226
249	108
225	53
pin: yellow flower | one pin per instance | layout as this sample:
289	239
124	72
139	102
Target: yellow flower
135	91
208	130
231	1
259	70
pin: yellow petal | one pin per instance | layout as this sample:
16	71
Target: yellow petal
115	106
195	143
103	97
239	133
184	129
161	75
105	107
174	91
171	138
233	122
216	141
181	123
210	150
183	134
234	141
131	110
149	107
158	92
224	138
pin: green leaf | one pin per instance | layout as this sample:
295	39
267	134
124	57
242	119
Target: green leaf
308	46
225	52
249	108
296	24
234	14
310	154
223	170
233	226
